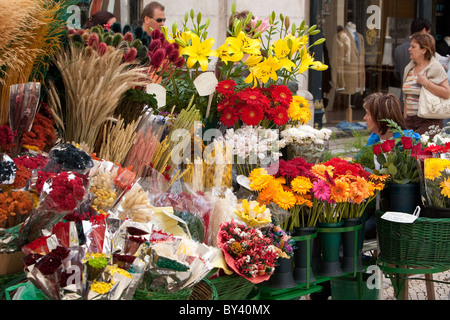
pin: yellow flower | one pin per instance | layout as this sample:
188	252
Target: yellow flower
299	109
101	287
253	213
434	166
284	199
306	61
242	44
199	52
445	185
281	48
267	69
319	66
301	185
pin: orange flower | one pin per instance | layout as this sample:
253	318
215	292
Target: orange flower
301	185
360	187
284	199
320	169
340	191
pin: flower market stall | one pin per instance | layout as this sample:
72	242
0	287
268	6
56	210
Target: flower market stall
216	190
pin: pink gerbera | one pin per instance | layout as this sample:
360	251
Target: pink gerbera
321	190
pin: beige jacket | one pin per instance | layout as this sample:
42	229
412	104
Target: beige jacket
353	73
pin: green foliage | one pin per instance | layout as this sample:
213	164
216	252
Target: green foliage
194	224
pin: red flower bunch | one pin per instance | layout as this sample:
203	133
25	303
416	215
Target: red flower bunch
342	167
37	246
247	251
291	168
43	176
6	138
96	234
32	162
62	232
253	105
397	158
42	133
67	189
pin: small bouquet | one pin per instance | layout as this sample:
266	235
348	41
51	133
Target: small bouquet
253	214
280	239
247	251
252	147
397	157
67	157
305	141
437	182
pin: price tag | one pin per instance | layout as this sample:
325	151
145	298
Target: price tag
206	83
401	217
160	93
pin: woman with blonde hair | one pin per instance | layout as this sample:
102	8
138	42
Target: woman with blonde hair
423	70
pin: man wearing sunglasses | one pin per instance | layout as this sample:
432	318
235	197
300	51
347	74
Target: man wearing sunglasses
153	16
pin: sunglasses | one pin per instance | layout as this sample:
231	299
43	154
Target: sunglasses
159	20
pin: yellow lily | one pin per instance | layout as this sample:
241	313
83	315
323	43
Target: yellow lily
199	52
241	44
306	61
319	66
224	54
268	69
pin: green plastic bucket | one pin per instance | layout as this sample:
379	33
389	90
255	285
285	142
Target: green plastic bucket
346	288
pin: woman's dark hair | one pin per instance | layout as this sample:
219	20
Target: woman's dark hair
384	106
99	18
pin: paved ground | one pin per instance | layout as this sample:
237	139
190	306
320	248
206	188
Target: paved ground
342	144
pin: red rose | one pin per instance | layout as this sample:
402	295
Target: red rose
377	149
388	145
406	142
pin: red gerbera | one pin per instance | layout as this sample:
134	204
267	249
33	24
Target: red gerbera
251	96
252	115
229	116
226	87
279	115
282	94
225	102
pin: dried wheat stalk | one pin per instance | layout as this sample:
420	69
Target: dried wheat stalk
118	138
94	85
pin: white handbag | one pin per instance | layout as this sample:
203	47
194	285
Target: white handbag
432	107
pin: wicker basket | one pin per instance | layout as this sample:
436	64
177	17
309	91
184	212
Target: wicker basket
232	287
425	243
204	290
